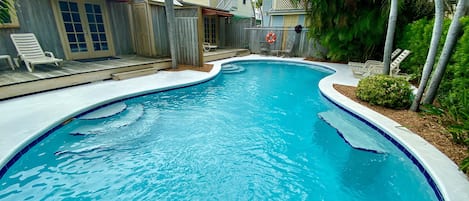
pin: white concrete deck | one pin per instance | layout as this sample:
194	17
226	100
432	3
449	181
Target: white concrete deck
26	118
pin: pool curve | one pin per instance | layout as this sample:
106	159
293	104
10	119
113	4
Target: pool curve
451	183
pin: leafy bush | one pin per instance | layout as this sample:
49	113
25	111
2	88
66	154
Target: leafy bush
416	38
347	29
384	90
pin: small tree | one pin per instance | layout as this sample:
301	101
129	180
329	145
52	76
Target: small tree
428	67
390	37
450	42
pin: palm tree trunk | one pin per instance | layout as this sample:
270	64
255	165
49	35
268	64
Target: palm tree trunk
171	20
428	67
390	37
448	47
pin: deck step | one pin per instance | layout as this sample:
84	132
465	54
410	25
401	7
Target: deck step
135	73
351	133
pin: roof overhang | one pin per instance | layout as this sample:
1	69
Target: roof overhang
287	12
211	11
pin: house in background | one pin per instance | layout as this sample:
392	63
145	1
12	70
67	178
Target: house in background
224	21
282	13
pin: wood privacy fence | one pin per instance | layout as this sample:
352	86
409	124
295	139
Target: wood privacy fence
188	45
236	33
287	39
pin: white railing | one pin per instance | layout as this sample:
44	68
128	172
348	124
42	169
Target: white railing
228	4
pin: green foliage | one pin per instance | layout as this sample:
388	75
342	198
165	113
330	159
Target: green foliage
356	29
416	37
348	29
454	91
464	165
5	11
384	90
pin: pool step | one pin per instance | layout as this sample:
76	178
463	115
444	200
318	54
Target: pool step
232	68
91	127
104	112
351	134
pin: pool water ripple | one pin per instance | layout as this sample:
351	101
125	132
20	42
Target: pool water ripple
247	136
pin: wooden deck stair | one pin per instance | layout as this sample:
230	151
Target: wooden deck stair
134	73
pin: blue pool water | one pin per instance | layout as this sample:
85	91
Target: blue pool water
252	135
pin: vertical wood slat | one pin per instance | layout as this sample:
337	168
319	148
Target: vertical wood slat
186	31
236	33
305	48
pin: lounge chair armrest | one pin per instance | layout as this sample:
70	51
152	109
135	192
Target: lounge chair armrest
49	54
373	62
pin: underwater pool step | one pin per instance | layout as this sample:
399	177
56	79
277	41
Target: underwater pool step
350	133
231	68
131	115
104	112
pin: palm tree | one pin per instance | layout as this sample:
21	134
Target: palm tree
390	37
448	47
428	67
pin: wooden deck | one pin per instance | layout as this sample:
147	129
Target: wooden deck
20	82
46	77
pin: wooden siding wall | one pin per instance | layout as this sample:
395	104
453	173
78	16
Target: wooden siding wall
34	17
120	24
160	30
302	46
236	33
188	47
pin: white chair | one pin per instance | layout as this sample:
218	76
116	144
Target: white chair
377	68
8	58
208	47
352	64
31	52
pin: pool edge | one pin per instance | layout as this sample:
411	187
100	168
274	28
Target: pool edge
451	183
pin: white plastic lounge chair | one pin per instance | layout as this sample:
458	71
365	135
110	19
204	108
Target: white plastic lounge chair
31	52
208	47
377	68
352	64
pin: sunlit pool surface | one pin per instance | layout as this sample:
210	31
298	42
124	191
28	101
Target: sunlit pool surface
255	134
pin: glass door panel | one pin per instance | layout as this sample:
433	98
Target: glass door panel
96	26
84	28
73	26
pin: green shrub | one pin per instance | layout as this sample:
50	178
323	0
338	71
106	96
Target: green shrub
384	90
416	37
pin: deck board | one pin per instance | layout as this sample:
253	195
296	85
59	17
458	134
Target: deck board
46	77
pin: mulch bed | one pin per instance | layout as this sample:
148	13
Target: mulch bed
427	126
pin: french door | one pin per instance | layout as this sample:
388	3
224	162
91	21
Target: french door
210	29
83	28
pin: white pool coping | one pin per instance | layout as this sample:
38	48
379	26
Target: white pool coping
26	118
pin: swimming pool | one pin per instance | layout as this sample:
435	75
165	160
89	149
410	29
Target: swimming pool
240	136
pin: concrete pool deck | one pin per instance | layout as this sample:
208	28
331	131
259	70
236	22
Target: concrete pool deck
25	119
